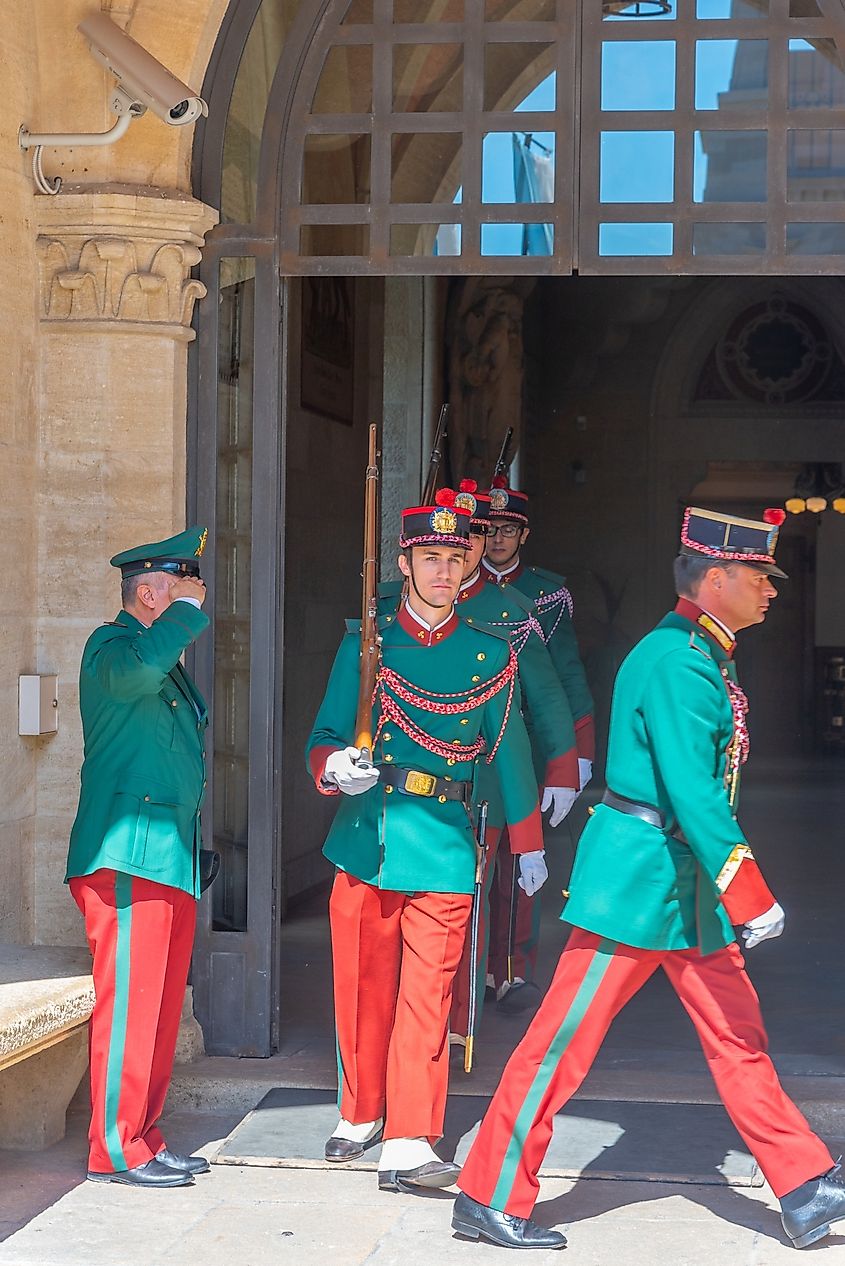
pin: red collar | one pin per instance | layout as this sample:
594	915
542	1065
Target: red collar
495	579
692	612
423	636
475	588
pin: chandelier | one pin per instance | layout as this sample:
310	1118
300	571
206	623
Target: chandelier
819	485
636	8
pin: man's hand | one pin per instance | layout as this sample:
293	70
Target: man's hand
533	872
187	587
764	927
585	771
343	770
560	800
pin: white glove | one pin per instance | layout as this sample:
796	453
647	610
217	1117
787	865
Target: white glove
560	800
343	770
764	927
585	771
533	872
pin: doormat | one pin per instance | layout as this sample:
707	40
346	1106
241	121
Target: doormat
644	1142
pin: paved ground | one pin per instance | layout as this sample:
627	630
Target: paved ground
264	1217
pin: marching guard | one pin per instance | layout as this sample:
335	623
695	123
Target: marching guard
515	920
662	873
446	699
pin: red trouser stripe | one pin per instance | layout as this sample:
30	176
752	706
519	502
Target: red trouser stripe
141	935
590	987
395	957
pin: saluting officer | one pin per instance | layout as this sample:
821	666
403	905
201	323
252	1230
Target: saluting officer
503	566
133	864
446	698
662	872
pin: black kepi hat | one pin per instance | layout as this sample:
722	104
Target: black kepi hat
733	540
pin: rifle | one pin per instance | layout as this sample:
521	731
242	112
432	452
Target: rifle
430	486
369	622
502	464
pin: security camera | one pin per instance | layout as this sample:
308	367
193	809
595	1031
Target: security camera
142	81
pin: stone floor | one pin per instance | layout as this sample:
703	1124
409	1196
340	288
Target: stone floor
247	1216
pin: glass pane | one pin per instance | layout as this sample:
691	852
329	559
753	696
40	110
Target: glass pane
636	239
336	168
520	10
637	167
428	10
334	239
731	74
517	239
518	167
732	9
816	81
728	239
815	239
425	239
730	167
622	10
346	82
235	359
638	75
245	120
425	166
512	70
359	11
428	77
815	165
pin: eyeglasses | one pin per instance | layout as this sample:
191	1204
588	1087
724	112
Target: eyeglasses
507	530
481	529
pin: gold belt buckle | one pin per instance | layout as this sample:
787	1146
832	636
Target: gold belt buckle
419	784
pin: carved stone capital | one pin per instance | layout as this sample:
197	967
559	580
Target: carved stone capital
118	258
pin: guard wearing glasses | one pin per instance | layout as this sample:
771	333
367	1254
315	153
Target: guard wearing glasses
447	699
503	566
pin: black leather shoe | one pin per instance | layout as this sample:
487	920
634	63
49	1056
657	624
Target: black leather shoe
338	1150
153	1174
185	1164
431	1174
521	997
478	1220
811	1221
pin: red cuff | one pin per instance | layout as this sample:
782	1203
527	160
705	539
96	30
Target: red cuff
585	738
317	758
527	836
748	894
562	771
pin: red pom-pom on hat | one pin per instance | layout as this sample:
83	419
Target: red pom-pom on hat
445	497
467	485
774	516
499	481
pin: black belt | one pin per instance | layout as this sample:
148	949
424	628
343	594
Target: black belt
646	812
413	782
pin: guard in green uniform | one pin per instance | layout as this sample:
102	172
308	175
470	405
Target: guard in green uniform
134	858
447	698
503	567
663	871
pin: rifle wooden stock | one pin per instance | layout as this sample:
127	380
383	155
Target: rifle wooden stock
430	486
369	621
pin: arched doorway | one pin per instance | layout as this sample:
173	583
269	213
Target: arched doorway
355	148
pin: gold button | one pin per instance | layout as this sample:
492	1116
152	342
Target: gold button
476	678
464	720
450	760
146	797
505	615
386	736
389	618
174	703
388	791
469	619
388	757
481	655
442	799
542	593
447	777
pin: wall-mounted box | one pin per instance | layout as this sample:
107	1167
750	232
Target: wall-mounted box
38	704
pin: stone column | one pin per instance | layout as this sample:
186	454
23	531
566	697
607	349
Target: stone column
116	300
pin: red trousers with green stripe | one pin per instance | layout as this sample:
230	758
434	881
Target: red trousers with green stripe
594	980
141	935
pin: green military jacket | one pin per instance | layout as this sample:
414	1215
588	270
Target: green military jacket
409	843
143	773
671	725
548	592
